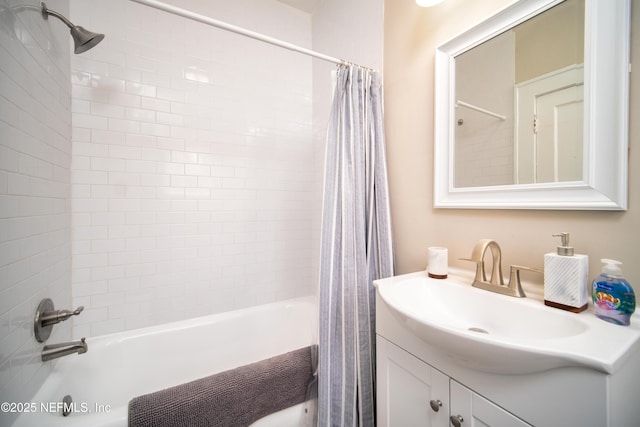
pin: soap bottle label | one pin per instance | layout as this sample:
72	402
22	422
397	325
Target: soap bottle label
605	297
613	301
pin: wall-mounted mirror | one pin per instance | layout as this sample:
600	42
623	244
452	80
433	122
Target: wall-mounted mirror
531	108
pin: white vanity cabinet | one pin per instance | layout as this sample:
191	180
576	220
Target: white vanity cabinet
413	371
477	353
410	392
413	393
471	409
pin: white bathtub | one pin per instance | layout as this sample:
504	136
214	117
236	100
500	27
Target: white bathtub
121	366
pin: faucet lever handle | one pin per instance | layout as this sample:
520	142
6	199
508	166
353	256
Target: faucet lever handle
481	275
522	267
514	279
57	316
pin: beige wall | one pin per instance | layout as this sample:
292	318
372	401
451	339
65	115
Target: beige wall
411	35
537	50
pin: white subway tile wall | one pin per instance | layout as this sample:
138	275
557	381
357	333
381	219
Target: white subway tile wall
196	187
35	158
194	174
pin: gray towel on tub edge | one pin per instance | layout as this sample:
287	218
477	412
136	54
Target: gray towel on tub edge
237	397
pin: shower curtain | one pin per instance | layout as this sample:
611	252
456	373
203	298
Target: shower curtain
356	248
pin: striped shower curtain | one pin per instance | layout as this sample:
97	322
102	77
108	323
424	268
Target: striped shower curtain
356	248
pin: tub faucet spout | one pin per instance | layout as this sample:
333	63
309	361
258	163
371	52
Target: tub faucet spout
50	352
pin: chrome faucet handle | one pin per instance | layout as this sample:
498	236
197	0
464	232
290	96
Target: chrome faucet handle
57	316
47	316
514	279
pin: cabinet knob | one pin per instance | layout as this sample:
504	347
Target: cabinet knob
456	420
435	405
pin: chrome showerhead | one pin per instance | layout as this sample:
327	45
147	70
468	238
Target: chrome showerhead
83	39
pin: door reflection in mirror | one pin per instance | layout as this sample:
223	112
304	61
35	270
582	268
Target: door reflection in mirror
519	103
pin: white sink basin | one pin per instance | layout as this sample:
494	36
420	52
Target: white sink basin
495	333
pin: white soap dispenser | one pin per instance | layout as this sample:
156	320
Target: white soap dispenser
566	278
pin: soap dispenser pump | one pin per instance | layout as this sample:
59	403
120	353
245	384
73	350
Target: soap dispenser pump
566	277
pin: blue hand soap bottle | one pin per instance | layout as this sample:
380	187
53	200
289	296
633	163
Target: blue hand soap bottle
613	296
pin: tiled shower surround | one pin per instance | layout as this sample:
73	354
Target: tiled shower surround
194	173
185	180
35	219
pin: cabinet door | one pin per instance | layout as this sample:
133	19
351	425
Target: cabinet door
476	411
407	388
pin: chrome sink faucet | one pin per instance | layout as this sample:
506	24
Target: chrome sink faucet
50	352
496	282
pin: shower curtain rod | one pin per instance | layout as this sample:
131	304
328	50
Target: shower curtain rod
242	31
482	110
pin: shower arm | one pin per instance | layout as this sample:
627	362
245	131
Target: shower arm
83	39
46	12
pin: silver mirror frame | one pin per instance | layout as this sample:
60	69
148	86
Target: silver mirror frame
607	68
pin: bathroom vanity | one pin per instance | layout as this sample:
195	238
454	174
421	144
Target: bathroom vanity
441	370
414	393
